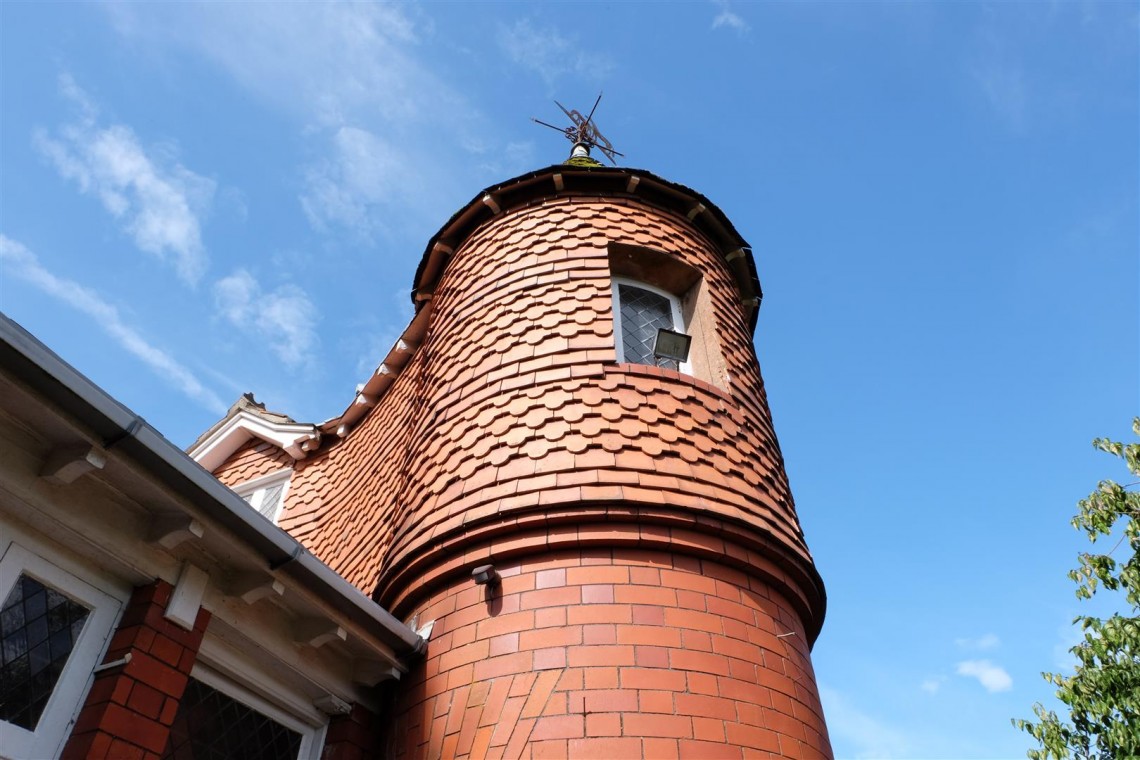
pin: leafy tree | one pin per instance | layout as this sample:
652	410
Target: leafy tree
1103	693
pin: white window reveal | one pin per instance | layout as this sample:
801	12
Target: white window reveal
644	314
53	629
266	494
219	719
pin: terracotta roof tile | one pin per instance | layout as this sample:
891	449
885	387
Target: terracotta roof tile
576	444
516	400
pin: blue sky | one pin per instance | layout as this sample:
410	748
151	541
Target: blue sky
197	201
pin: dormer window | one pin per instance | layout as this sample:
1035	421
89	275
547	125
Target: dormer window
266	494
641	312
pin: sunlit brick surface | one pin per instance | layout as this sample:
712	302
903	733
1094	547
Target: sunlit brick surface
611	654
130	708
512	436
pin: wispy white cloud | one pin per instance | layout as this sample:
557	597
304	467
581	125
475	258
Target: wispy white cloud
727	18
1003	86
871	737
999	76
350	187
1068	636
984	642
932	685
357	78
993	678
548	53
159	201
19	262
371	340
284	318
331	64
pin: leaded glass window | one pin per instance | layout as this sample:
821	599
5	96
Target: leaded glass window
211	725
642	313
267	494
38	629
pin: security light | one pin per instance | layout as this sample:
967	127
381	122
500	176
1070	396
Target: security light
672	345
485	575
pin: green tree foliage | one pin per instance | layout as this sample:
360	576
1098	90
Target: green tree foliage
1103	693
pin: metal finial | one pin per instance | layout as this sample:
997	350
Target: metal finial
584	133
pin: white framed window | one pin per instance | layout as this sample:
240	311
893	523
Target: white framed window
219	718
640	310
54	628
267	493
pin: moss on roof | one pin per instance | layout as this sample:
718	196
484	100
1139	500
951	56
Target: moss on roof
586	161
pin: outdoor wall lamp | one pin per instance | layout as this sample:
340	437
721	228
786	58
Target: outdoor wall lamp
672	345
485	575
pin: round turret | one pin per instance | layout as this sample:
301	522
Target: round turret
587	417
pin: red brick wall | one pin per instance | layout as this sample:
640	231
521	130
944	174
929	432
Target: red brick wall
352	736
611	654
129	710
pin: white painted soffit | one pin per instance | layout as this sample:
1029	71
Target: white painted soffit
297	439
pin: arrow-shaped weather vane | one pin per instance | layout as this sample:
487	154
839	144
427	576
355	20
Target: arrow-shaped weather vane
584	131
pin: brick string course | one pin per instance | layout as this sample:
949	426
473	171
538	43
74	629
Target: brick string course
129	710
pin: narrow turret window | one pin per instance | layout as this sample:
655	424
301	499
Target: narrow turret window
641	312
664	315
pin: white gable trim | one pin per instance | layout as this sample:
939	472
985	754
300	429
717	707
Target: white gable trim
296	439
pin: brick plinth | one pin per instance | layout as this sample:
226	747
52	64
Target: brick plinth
612	653
130	708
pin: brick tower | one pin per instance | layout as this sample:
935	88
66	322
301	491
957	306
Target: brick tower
655	596
645	588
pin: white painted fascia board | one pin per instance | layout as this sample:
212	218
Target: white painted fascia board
378	383
228	438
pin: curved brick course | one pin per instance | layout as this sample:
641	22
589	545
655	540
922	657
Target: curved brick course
612	654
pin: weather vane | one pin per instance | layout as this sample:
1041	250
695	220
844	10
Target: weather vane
584	131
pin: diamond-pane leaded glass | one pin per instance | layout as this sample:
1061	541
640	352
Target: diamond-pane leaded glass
38	629
643	313
270	500
212	726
